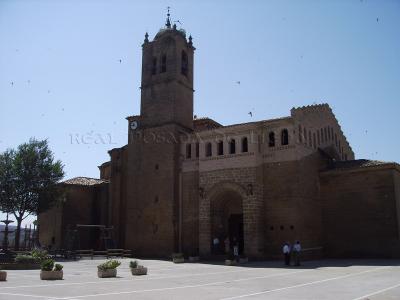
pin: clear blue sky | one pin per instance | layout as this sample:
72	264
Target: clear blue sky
60	74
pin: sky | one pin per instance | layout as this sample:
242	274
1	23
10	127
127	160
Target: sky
70	70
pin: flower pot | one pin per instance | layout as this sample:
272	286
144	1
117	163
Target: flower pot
3	275
107	273
51	275
178	260
139	271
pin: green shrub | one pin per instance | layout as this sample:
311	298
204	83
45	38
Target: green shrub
58	267
40	255
133	264
47	265
25	259
110	264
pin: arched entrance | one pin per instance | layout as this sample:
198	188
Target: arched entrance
226	222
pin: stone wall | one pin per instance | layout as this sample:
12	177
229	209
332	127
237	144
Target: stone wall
152	192
360	212
292	204
190	220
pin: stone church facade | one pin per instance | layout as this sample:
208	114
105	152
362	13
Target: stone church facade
182	181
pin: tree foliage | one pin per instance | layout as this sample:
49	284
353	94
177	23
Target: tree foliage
28	180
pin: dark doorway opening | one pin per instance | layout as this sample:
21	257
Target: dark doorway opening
235	223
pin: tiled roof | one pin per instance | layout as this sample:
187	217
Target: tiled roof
85	181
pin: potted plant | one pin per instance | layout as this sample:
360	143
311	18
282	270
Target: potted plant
3	275
49	271
178	258
108	269
137	269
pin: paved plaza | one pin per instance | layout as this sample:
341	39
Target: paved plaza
324	279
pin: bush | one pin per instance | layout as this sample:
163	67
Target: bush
47	265
110	264
25	259
58	267
133	264
40	255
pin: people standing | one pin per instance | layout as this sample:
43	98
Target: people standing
227	245
216	245
286	253
296	253
236	250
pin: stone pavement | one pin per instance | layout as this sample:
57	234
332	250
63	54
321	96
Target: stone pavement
323	279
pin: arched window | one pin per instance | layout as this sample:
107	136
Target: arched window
314	141
220	148
336	143
300	134
197	150
305	135
318	138
284	137
271	139
322	136
208	149
188	151
154	66
232	146
245	146
325	134
184	63
163	63
329	133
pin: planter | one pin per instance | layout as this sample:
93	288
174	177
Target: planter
139	271
3	275
229	262
51	275
194	258
107	273
178	260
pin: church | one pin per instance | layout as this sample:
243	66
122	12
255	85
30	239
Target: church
182	181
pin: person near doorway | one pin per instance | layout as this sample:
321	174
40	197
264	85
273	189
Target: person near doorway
235	249
227	245
216	245
296	253
286	253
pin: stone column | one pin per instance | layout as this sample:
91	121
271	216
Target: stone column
204	226
252	223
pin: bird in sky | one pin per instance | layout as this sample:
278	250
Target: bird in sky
29	81
120	60
377	19
238	82
251	114
12	83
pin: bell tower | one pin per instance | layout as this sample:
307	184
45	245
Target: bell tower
167	78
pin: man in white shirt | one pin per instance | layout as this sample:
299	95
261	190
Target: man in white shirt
296	253
286	253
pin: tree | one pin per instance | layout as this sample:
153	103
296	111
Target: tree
7	181
31	175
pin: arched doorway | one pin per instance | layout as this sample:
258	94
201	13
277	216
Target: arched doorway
227	222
